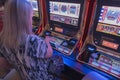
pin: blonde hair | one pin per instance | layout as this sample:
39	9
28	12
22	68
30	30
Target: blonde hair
17	23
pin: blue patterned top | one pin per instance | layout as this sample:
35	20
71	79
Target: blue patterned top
30	60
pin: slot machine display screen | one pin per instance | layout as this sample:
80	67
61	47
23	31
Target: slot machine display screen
109	20
65	17
107	31
67	13
36	15
35	8
34	4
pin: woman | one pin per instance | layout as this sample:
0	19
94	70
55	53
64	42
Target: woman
27	52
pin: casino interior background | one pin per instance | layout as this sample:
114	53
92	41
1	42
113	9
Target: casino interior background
87	36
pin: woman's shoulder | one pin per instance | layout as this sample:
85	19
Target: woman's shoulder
33	37
34	40
36	45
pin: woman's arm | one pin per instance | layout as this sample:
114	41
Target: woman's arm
49	50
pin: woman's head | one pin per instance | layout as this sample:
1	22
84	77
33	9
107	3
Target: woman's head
17	22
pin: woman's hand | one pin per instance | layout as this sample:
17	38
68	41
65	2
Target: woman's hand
48	39
49	50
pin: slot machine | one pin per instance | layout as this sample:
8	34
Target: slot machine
66	23
36	14
101	49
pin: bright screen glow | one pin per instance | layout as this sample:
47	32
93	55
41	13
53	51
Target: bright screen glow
110	15
110	44
109	20
65	9
63	12
34	4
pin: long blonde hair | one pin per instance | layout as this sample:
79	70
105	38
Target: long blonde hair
17	23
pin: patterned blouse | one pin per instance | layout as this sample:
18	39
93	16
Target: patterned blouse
30	60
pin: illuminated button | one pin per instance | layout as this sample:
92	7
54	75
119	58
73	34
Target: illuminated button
52	42
115	72
106	60
51	28
57	46
118	31
60	48
94	55
66	51
62	19
94	63
104	67
106	64
116	66
65	43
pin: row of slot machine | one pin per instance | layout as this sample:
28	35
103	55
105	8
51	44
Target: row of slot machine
89	27
36	14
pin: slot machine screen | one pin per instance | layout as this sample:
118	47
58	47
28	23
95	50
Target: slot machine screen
36	13
34	4
107	31
67	13
109	16
35	8
65	17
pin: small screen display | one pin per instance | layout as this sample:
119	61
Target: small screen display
59	29
67	13
34	4
110	44
36	16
